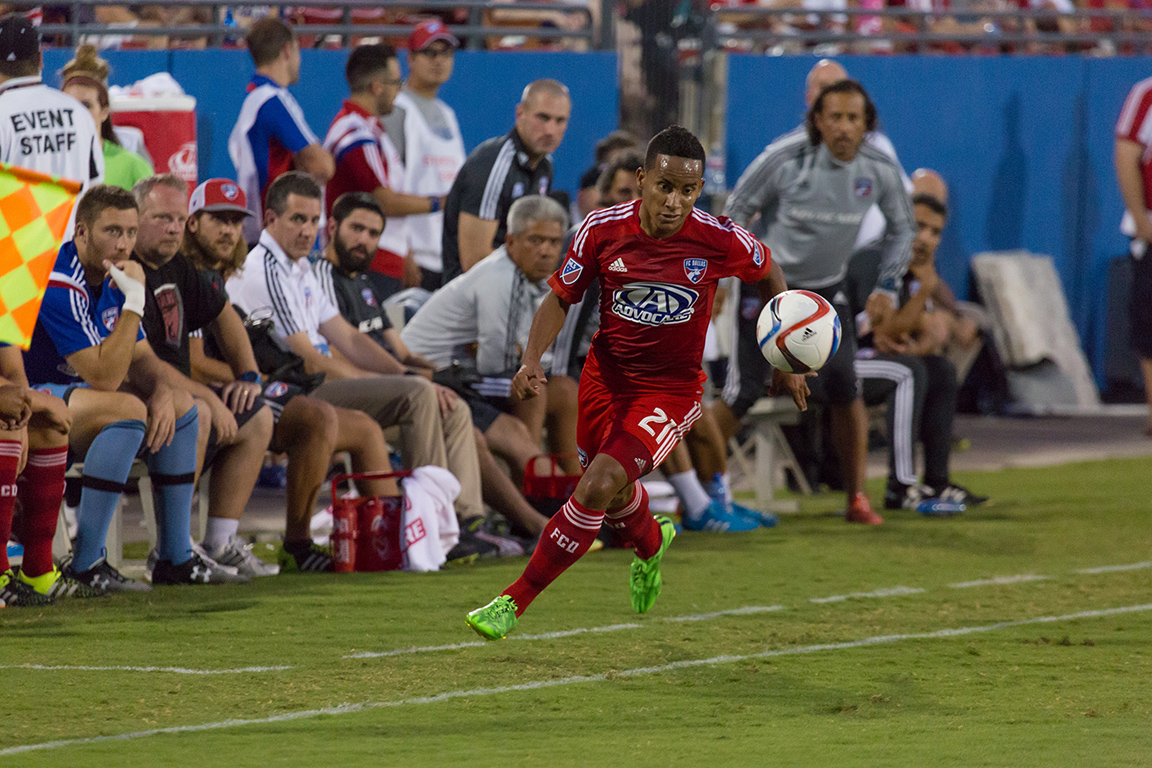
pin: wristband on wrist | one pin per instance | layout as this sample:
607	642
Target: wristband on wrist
252	377
434	204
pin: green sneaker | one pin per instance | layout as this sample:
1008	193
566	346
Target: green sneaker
645	581
495	620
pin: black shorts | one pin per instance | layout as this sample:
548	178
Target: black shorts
242	418
749	374
485	410
1140	307
277	394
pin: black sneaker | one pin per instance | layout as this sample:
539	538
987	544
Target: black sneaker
497	533
103	577
56	585
906	496
471	548
304	557
960	495
196	570
14	592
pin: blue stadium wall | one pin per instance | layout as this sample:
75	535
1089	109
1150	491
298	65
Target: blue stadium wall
484	90
1025	144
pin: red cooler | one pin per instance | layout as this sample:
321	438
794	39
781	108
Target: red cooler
169	127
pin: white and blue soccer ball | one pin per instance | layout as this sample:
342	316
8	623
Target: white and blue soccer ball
798	331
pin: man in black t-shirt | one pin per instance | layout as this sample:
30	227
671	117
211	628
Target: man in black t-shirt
498	172
235	425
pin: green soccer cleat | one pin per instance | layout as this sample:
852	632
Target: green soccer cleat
495	620
645	580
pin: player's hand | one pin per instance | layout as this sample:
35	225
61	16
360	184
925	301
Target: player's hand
129	278
529	381
49	412
447	399
15	407
222	420
794	384
161	418
891	345
1144	229
879	308
240	396
412	274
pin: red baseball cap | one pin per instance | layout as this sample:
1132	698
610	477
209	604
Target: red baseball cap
428	32
218	195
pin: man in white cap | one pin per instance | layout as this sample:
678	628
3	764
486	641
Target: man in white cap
427	135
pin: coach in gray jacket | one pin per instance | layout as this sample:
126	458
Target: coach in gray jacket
810	191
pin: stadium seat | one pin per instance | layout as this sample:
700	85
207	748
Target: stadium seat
764	457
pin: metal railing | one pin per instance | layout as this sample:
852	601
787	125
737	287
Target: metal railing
729	27
473	33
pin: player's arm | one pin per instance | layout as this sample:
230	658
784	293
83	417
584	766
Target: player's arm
400	204
104	366
232	338
755	189
1127	158
315	161
475	239
15	402
359	349
222	418
404	354
896	246
205	369
546	325
148	378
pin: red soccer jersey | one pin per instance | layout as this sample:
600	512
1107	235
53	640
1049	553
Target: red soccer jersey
655	294
1135	124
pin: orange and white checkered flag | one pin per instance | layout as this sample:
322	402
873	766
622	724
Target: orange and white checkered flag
34	212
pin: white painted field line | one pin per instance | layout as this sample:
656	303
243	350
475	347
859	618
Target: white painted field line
997	580
173	670
746	610
889	592
1117	568
345	709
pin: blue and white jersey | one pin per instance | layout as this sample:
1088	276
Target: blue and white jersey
268	132
73	316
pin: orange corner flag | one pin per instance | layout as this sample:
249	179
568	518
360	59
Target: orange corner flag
34	212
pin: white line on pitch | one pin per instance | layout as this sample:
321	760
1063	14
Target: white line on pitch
173	670
996	580
1117	568
746	610
345	709
889	592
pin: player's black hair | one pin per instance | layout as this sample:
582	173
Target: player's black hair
843	86
267	38
364	63
355	201
629	161
931	202
291	183
614	142
674	141
100	198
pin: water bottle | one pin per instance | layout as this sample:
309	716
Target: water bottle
940	508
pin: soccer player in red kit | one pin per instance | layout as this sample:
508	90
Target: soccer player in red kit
658	260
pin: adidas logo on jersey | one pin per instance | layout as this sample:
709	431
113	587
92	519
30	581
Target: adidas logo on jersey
617	266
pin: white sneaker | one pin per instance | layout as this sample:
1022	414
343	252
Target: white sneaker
238	555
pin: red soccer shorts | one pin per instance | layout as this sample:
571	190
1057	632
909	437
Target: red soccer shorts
656	420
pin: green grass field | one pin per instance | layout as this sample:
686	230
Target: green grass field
867	679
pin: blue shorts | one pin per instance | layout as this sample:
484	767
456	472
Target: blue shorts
62	391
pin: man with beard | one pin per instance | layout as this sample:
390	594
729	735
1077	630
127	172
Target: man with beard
355	220
308	430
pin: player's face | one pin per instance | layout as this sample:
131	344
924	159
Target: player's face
625	187
112	236
841	124
218	233
929	227
356	239
295	229
90	98
541	122
669	190
536	250
162	217
386	86
292	53
431	67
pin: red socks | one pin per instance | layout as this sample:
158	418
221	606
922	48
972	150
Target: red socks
10	452
41	489
565	539
635	525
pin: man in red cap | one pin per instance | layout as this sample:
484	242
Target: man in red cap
427	135
366	161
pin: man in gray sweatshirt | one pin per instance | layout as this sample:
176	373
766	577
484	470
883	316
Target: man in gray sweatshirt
806	195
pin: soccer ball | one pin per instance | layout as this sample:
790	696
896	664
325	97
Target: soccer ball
798	331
